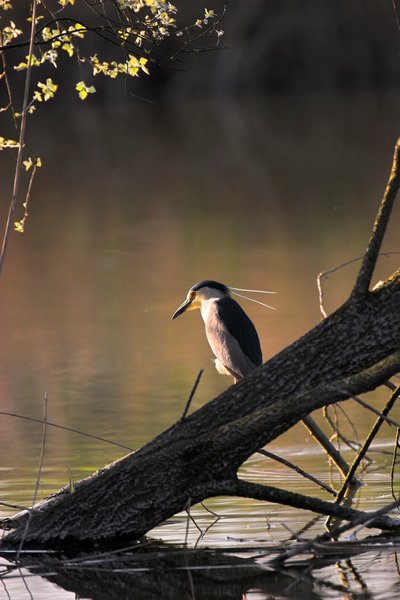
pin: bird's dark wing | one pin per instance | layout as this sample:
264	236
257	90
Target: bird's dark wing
240	327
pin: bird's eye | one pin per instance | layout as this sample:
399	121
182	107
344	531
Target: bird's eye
192	295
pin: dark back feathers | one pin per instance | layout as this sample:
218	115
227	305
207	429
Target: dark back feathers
241	327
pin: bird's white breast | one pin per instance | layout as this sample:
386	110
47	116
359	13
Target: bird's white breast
205	308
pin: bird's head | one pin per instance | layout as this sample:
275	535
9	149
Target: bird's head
203	290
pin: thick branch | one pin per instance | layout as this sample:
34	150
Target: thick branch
371	255
326	444
247	489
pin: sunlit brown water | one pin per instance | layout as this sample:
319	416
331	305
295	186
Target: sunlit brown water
131	208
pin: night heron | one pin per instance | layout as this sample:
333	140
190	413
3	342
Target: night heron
230	333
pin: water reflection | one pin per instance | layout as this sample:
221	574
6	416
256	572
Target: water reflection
146	571
132	207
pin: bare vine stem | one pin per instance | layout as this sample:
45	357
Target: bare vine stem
17	174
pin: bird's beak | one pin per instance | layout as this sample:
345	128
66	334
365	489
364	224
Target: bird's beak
183	307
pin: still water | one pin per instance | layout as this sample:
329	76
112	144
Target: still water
135	204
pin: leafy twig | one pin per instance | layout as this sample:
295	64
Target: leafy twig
17	173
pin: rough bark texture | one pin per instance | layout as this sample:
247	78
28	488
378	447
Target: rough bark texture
352	351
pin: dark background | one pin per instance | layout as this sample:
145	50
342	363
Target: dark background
268	46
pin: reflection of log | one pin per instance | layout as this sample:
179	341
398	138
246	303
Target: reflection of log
150	571
352	351
164	572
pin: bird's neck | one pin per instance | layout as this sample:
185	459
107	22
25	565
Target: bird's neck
207	299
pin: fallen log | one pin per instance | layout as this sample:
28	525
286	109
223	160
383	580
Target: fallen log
352	351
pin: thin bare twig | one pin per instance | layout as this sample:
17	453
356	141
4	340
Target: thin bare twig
308	546
17	173
324	275
350	422
387	419
393	466
326	444
27	198
9	104
307	526
336	431
381	511
370	438
23	577
390	385
35	493
18	506
50	424
396	12
199	529
5	588
298	470
211	511
192	393
191	584
396	560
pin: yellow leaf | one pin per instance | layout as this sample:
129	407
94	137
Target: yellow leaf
68	48
18	226
84	90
